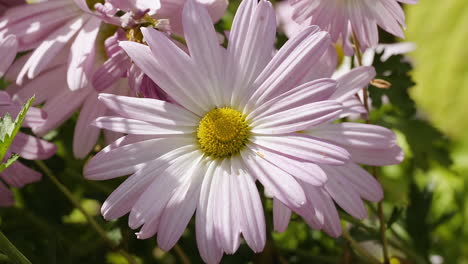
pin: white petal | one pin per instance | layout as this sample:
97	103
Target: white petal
150	110
281	216
137	127
304	147
282	185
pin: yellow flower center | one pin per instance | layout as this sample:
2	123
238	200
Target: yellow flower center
223	132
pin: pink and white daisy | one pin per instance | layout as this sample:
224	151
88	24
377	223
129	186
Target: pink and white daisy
235	119
28	147
343	18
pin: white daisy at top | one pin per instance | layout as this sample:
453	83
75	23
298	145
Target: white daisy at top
236	118
342	18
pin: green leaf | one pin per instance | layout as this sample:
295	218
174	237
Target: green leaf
9	129
8	163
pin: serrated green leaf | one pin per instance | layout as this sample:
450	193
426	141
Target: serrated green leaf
9	129
8	163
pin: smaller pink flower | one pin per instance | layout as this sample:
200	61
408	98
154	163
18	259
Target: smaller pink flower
28	147
343	18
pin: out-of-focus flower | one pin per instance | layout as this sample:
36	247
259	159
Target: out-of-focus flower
49	27
345	18
238	116
50	89
28	147
172	10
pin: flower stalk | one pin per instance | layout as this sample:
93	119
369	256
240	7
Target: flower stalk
11	251
380	212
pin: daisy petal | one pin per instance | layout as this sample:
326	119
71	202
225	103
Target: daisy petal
150	110
124	156
282	185
252	219
305	147
356	135
281	216
298	118
137	127
210	251
306	171
143	58
32	148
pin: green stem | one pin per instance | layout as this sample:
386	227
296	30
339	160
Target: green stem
11	251
380	212
181	254
99	230
359	249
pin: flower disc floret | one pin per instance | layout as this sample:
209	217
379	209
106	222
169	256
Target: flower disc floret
223	132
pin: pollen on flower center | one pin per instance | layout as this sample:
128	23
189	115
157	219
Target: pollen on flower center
223	132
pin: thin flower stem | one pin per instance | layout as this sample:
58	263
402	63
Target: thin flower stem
184	259
380	212
359	249
13	254
101	232
4	258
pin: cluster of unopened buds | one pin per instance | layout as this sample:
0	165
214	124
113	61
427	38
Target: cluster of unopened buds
196	123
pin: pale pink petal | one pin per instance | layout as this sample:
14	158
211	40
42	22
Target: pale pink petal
304	147
8	48
50	47
60	108
345	196
297	118
179	210
124	156
377	157
204	48
306	171
6	196
281	216
356	135
251	46
125	196
111	71
143	58
325	210
362	182
306	93
282	185
292	60
85	135
32	148
227	208
152	201
81	58
355	80
150	110
40	86
137	127
252	218
209	249
18	175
